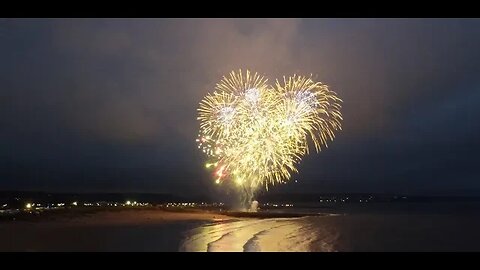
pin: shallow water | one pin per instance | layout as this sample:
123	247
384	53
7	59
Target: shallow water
407	227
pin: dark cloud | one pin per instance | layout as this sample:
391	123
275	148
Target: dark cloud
111	103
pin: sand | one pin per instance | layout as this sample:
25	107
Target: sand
129	230
143	217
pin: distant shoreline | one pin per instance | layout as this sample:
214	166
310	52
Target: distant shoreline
152	214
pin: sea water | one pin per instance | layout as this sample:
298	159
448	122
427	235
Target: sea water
374	227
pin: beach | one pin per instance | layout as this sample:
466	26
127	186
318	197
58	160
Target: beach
127	230
382	227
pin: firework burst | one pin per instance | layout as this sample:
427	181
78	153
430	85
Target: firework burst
255	134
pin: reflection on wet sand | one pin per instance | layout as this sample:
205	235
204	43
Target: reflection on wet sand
290	234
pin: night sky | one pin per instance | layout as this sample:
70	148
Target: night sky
110	104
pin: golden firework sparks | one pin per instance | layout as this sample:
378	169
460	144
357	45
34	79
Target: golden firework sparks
255	134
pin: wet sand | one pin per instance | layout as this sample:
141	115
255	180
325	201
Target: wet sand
132	217
129	230
117	229
197	230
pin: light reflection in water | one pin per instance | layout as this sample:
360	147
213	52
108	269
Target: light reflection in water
253	235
